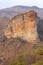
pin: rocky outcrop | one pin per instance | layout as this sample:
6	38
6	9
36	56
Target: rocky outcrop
23	26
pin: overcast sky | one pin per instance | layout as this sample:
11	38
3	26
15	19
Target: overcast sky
10	3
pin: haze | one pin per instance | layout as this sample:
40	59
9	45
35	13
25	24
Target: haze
10	3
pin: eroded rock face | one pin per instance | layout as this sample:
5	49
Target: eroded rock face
23	26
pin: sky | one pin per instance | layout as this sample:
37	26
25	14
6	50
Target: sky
10	3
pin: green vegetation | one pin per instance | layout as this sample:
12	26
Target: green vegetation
17	63
21	57
40	62
35	58
38	51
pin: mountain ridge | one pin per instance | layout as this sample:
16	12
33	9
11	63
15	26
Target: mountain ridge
12	11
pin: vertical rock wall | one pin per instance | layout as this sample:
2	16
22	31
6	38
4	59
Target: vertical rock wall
23	26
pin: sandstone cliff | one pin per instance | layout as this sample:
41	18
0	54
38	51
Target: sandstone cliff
23	26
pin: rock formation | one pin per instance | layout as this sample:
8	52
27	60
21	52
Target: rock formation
23	26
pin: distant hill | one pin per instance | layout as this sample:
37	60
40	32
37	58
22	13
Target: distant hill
12	11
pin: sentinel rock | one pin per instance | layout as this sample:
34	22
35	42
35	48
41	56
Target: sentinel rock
23	26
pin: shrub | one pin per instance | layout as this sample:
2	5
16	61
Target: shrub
38	51
17	63
40	62
19	60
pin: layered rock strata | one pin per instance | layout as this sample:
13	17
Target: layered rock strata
23	26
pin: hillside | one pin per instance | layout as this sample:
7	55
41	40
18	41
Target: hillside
11	48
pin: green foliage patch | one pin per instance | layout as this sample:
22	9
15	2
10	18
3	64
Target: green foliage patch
40	62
